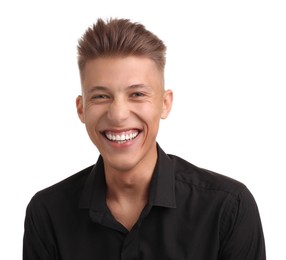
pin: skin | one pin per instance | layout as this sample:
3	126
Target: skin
122	98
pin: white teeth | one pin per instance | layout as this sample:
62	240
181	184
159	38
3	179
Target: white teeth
121	137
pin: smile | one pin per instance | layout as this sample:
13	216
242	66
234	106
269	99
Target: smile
121	137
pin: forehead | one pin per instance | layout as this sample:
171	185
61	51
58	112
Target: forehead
128	70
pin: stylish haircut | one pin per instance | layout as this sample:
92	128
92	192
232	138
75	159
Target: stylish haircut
120	37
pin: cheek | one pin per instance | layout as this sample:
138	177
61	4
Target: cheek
151	108
151	114
92	113
91	122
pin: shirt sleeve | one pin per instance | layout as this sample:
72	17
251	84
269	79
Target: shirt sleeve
35	242
242	235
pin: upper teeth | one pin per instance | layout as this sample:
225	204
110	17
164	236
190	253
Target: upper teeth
122	136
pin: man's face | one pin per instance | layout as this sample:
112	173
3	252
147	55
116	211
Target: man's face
122	102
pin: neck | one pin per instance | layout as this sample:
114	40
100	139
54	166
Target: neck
127	190
131	186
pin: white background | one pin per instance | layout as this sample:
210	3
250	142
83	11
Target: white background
226	64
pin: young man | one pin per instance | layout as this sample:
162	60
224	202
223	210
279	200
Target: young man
136	202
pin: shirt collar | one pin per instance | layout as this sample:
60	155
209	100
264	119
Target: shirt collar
162	189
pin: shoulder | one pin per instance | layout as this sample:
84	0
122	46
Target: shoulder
204	179
69	189
235	202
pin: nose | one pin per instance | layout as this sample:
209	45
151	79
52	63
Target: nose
118	111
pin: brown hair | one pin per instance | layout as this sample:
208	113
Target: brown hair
120	37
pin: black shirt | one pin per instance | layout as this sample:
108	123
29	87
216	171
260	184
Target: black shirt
192	213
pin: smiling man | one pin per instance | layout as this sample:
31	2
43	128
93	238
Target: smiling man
136	202
122	103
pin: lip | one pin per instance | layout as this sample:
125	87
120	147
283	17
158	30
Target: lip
122	136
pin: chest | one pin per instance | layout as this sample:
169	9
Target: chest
162	234
126	215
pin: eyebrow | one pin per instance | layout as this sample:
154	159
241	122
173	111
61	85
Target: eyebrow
94	88
138	86
103	88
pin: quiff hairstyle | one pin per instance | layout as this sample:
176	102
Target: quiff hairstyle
120	37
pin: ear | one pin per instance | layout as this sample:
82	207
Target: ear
167	103
79	108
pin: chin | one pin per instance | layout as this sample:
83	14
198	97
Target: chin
123	167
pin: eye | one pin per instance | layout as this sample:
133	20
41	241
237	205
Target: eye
99	98
102	96
137	94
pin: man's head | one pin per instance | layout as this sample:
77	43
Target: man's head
123	97
120	37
